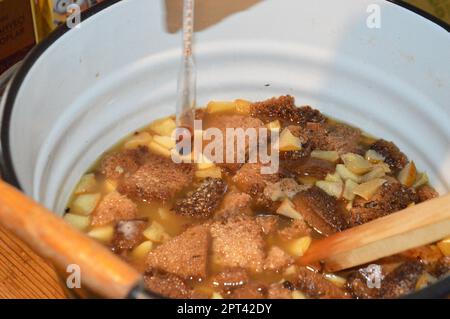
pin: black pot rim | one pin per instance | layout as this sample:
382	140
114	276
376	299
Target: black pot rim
9	173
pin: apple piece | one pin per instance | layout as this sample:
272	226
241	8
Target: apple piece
421	179
383	165
407	175
87	184
289	142
349	205
307	180
331	188
102	233
376	172
346	174
243	106
425	280
158	149
78	221
335	279
368	189
348	189
203	162
165	141
274	126
298	247
296	294
214	172
287	209
335	177
220	107
444	246
85	204
109	185
216	295
140	139
141	251
374	157
156	233
356	163
164	126
331	156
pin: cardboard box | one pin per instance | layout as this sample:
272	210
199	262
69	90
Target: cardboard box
17	35
23	23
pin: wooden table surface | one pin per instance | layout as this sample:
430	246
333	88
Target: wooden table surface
23	274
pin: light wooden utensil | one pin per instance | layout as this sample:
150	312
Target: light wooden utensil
412	227
51	237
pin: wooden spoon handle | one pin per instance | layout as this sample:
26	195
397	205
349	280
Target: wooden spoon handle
412	227
51	237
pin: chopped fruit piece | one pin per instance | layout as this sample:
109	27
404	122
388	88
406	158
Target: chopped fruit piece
374	157
243	107
349	205
156	233
158	149
298	295
307	180
333	178
220	107
78	221
290	271
348	189
287	209
140	139
298	247
384	166
356	163
85	204
425	280
141	251
345	173
214	172
274	126
444	246
421	179
335	279
377	172
216	295
407	175
331	156
331	188
163	126
109	185
289	142
87	184
164	213
165	141
286	188
368	189
102	233
203	162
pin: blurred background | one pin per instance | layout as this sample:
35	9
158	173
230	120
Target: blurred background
24	23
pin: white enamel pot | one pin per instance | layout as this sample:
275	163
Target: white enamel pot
83	89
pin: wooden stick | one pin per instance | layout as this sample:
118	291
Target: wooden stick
412	227
51	237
